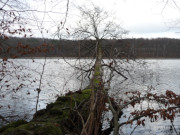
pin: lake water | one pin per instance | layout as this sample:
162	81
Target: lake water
20	79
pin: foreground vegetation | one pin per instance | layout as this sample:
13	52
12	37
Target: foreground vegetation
62	117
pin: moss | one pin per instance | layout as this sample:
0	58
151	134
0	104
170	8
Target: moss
35	128
61	109
96	82
13	125
40	112
64	99
41	128
69	101
16	131
60	112
97	75
87	91
57	111
49	106
78	98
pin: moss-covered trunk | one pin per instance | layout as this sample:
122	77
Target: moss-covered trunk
93	124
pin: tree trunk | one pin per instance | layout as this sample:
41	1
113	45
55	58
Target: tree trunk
93	123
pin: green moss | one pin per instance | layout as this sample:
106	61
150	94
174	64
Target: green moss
61	109
13	125
35	128
41	128
97	71
97	68
17	131
97	75
40	112
60	112
56	110
69	101
78	98
49	106
96	82
64	99
87	91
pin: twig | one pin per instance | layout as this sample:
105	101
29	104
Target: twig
174	127
40	83
133	130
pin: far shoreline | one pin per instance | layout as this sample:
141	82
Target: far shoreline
145	58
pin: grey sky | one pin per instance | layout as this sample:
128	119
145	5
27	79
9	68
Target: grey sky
146	18
142	18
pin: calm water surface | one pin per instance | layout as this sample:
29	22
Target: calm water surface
23	77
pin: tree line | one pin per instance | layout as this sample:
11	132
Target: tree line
15	47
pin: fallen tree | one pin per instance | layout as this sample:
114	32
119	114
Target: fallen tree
81	112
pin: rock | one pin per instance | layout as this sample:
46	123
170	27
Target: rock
59	118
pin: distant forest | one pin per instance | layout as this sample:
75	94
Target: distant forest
123	48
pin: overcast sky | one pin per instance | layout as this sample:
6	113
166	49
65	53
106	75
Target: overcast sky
142	18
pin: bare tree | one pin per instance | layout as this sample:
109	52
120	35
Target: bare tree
172	22
96	25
